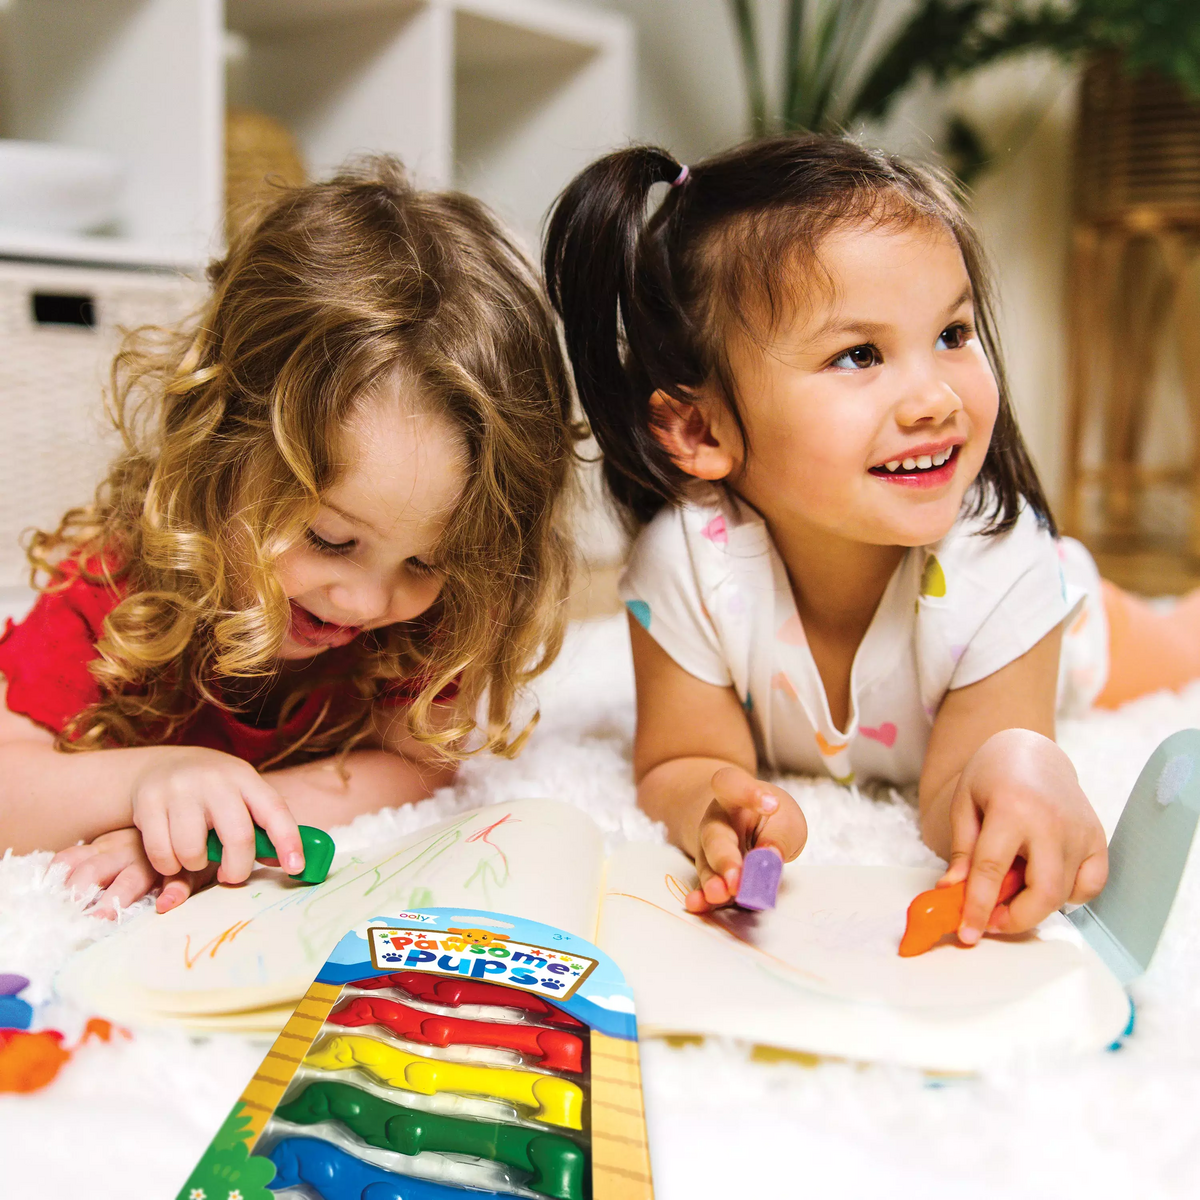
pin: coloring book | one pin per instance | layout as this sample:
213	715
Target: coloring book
818	974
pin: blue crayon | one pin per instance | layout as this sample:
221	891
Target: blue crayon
336	1175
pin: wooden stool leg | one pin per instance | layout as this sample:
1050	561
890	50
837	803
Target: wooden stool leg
1143	300
1084	320
1187	319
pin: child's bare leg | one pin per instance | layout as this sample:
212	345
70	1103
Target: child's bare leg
1149	650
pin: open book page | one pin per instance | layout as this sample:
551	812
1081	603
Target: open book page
258	946
821	974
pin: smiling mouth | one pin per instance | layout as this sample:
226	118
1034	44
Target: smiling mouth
921	464
308	629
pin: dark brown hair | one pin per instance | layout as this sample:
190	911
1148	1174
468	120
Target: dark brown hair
231	427
648	303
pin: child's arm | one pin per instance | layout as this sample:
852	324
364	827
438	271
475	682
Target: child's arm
392	768
996	786
694	761
51	799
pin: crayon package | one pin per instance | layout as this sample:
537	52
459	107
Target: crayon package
445	1054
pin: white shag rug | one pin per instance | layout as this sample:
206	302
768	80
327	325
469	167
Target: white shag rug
129	1119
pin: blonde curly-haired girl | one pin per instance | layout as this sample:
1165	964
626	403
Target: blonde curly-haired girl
330	541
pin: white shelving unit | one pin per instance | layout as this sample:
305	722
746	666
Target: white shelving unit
503	98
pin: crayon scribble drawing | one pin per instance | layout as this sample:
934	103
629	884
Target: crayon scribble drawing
492	867
270	938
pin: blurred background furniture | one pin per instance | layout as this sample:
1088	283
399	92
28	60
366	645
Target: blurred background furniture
1132	300
59	328
207	106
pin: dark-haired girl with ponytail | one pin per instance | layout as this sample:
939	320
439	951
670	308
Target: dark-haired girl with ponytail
845	563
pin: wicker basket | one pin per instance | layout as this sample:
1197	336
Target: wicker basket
1138	147
260	158
56	443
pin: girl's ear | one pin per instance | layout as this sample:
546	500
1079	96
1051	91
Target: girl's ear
698	434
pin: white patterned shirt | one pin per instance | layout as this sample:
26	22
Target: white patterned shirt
707	583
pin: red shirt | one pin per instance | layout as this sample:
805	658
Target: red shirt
45	660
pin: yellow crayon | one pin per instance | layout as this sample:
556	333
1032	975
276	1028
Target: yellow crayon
556	1101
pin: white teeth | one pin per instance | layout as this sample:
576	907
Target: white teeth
921	462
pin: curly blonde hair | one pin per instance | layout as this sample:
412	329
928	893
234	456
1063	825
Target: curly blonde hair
230	428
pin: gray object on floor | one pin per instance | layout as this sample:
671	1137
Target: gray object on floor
1146	859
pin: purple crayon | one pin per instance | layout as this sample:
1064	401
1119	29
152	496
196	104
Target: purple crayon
761	872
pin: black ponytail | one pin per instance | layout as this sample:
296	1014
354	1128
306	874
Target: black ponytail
647	302
625	333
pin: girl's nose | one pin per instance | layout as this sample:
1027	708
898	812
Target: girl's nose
361	601
928	400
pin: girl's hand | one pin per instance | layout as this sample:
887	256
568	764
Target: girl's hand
741	804
117	863
184	791
1019	795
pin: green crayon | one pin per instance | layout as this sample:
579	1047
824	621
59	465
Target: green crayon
557	1163
318	851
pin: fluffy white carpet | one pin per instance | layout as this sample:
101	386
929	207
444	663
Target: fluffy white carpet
129	1119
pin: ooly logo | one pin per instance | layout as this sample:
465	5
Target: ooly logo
480	954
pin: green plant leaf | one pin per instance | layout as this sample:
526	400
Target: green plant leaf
965	150
793	74
747	34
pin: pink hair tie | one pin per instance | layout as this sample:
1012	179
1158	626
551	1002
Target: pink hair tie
681	178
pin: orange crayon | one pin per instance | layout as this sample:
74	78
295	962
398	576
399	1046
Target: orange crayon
939	911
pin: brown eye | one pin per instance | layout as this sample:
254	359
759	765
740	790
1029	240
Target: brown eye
954	337
858	358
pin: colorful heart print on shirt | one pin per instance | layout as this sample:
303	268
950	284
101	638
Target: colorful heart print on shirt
641	612
885	733
716	531
791	632
933	578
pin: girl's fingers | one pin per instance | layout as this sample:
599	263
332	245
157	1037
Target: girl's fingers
720	851
743	810
72	856
995	850
1090	878
130	885
787	830
744	799
176	891
268	809
964	833
1047	884
235	828
155	827
99	869
188	828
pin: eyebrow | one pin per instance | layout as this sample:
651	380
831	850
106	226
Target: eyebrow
348	516
872	329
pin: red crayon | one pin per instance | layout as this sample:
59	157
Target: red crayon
556	1050
454	992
